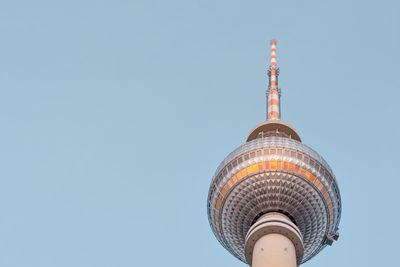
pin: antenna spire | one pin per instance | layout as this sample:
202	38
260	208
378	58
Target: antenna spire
273	92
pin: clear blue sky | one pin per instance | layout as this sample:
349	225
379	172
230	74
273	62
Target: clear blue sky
115	114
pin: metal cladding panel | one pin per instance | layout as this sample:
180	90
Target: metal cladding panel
273	174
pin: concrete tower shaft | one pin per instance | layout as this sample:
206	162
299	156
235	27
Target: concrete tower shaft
274	241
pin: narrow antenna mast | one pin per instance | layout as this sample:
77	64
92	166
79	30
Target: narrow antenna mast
273	92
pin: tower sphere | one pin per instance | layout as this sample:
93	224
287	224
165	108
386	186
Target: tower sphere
274	172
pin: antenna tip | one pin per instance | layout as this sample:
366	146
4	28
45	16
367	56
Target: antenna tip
273	42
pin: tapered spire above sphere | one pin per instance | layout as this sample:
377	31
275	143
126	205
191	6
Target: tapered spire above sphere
273	92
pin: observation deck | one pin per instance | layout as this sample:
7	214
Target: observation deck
274	172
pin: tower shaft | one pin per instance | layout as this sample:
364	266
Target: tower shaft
274	250
273	93
274	241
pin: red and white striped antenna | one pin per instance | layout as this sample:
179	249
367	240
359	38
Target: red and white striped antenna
273	92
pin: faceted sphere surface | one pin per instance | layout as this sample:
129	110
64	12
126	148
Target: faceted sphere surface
274	174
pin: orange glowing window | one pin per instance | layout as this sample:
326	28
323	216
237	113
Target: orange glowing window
302	172
239	175
244	174
279	165
317	182
291	167
296	168
249	170
273	165
260	166
220	196
234	179
226	187
230	183
321	185
255	167
308	174
218	204
216	217
223	192
323	190
312	178
267	167
286	166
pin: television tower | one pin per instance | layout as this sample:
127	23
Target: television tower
273	201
